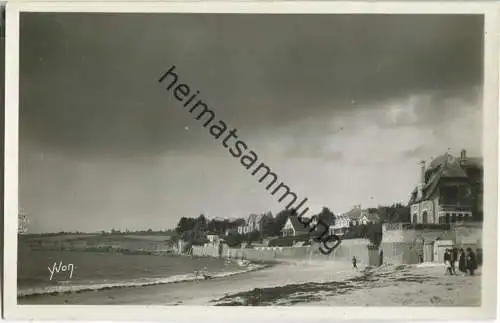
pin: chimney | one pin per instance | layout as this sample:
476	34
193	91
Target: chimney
463	155
422	172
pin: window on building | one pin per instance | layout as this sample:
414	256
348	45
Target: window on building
453	217
424	217
447	218
450	195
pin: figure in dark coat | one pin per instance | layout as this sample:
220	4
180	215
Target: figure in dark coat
447	258
461	261
471	261
453	260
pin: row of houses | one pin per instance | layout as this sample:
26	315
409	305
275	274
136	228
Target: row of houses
340	223
292	227
449	190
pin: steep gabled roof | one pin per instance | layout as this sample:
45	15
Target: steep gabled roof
449	168
254	218
444	166
470	162
297	226
413	196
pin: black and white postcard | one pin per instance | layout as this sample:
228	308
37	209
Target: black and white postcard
251	160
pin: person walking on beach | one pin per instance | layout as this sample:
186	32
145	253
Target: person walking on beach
471	261
461	262
354	263
447	261
453	260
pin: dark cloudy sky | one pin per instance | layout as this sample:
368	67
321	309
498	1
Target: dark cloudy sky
342	107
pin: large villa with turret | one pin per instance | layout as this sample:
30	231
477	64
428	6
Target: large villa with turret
450	190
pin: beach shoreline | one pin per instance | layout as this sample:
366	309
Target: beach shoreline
268	274
62	290
298	283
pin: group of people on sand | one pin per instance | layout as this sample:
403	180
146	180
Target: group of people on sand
467	261
202	273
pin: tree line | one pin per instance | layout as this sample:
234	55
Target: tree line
138	232
194	230
395	213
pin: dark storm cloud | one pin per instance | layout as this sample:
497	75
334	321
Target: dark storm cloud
89	81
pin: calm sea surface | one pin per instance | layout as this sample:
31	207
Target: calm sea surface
94	271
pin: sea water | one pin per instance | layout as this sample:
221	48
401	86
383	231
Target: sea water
95	271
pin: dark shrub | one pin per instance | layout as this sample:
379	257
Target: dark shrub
234	240
371	231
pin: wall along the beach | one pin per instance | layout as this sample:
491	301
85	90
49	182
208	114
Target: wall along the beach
359	248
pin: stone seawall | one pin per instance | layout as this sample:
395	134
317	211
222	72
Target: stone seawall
396	233
469	235
358	248
402	244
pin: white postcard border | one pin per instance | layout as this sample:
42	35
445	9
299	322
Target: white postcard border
291	314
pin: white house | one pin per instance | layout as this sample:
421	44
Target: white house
213	238
293	228
253	223
356	216
231	231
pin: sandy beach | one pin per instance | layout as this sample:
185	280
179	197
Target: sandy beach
409	286
297	283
